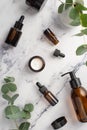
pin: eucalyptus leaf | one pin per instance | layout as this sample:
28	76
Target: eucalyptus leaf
5	89
75	22
81	50
27	115
79	34
29	107
68	4
80	7
83	19
24	126
84	31
60	8
9	79
12	112
86	63
8	98
73	14
12	87
14	98
19	115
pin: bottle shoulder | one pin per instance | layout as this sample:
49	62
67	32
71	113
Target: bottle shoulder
79	91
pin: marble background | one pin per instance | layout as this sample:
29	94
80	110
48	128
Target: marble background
13	62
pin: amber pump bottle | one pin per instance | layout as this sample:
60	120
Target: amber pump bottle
79	97
47	94
15	33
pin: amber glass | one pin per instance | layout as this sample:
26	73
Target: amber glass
13	37
51	98
79	98
51	36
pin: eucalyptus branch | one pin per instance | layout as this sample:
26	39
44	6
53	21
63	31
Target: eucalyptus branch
78	16
12	111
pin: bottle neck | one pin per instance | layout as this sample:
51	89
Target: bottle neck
75	83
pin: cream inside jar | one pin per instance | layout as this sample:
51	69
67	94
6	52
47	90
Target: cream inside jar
36	64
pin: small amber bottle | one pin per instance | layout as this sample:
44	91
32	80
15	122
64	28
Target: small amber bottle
15	33
79	97
51	36
47	94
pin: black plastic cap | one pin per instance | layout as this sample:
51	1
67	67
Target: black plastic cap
58	53
35	3
19	24
58	123
42	88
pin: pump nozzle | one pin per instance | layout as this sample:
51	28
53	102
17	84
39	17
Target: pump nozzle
72	74
75	82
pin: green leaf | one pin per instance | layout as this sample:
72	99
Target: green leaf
24	126
83	19
60	8
29	108
14	98
7	98
68	4
5	89
12	87
84	31
79	34
19	115
9	87
75	22
81	50
27	115
80	7
86	63
9	79
73	14
12	112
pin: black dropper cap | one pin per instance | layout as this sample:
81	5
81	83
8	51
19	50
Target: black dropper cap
74	82
58	53
19	23
42	88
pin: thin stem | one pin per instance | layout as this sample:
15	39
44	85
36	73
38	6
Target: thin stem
16	124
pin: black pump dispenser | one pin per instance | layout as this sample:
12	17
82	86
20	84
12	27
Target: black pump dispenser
19	23
74	82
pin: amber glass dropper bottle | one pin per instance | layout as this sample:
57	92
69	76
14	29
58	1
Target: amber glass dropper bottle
47	94
15	33
79	97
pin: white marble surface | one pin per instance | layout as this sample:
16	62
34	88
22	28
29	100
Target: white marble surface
13	62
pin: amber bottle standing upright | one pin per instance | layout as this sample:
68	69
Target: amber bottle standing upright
15	33
79	97
47	94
